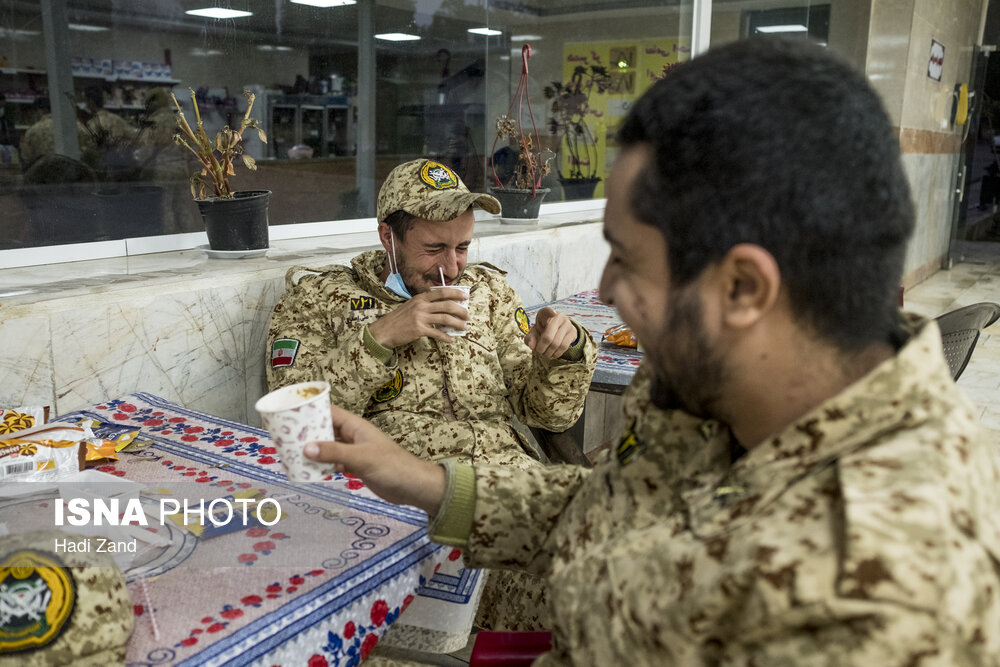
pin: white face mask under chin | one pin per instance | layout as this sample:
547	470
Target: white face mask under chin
394	282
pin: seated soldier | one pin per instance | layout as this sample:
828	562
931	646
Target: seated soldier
373	331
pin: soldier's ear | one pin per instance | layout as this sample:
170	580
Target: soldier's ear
750	281
385	236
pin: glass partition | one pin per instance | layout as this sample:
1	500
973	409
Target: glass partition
344	91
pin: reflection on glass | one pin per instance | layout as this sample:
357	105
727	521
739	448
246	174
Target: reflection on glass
87	151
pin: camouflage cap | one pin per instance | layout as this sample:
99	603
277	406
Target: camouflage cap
430	191
60	608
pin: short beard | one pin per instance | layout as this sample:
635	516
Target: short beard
694	384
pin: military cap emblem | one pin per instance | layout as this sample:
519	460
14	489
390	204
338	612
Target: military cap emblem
438	176
37	596
390	389
521	318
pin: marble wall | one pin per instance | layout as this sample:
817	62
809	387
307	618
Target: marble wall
194	330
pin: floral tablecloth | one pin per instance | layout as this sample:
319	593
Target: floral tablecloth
319	587
615	365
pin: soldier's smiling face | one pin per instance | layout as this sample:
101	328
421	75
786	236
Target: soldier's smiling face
684	356
429	245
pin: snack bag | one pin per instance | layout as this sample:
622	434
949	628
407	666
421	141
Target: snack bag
620	335
97	452
42	453
18	419
120	434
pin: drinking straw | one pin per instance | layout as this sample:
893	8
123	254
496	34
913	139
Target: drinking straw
441	271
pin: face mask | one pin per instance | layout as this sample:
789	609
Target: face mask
394	283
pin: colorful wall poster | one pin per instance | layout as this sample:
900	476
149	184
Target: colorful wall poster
600	82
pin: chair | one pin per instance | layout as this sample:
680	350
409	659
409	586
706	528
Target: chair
508	649
561	447
960	331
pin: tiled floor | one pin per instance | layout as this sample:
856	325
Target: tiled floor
975	278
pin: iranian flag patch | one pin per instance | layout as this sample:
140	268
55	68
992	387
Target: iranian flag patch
283	351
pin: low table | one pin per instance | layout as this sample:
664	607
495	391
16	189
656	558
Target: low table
323	585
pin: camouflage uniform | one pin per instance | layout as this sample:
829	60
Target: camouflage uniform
79	611
865	533
438	400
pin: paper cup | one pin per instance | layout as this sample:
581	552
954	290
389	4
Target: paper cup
464	303
295	415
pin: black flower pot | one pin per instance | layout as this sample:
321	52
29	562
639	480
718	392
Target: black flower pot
519	206
578	188
131	209
239	223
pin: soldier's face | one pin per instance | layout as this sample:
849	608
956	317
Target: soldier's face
430	246
684	356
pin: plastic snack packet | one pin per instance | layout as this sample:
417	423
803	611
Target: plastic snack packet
620	335
42	453
121	435
18	419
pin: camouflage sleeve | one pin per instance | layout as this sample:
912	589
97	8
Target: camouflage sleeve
313	337
515	513
545	393
874	633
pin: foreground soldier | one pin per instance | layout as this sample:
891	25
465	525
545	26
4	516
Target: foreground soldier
826	496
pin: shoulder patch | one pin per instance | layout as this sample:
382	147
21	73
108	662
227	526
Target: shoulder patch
362	302
390	389
283	352
438	176
522	320
37	597
630	447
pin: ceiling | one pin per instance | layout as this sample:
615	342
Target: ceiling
282	20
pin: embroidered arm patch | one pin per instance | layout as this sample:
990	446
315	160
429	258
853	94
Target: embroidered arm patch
283	352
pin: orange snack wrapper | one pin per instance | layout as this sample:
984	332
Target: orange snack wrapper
94	452
620	335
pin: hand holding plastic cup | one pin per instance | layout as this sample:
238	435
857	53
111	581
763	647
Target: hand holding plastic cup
295	415
464	303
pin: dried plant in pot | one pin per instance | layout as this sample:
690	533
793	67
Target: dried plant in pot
234	220
571	111
518	168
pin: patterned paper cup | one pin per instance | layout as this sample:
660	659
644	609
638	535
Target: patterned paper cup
295	415
464	303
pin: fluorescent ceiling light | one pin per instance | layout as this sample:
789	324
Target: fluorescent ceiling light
525	38
489	32
269	47
218	13
16	33
783	28
197	51
83	27
326	3
397	37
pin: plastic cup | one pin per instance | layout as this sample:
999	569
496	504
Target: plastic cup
464	303
295	415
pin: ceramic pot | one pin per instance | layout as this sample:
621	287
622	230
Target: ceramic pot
578	188
239	223
519	206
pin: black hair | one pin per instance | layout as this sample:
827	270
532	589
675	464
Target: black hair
778	143
400	222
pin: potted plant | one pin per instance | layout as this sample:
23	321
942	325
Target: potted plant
234	220
518	168
570	112
123	157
